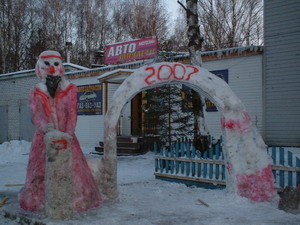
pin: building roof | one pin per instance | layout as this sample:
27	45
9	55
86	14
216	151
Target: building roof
76	71
69	67
115	76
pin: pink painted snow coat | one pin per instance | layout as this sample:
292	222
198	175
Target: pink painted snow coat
61	111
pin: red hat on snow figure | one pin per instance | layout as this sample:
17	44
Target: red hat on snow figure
49	63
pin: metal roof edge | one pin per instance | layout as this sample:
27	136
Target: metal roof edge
113	72
182	55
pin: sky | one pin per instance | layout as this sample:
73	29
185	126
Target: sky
172	7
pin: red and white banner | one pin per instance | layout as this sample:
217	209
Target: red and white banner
132	50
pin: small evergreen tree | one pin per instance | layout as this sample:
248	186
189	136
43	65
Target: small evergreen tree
164	119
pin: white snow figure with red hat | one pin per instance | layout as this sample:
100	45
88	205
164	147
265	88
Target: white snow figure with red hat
53	104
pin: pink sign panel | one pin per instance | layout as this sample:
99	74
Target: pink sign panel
132	50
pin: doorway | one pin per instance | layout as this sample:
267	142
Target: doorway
136	115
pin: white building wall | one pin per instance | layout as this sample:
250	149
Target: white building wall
281	72
245	79
15	92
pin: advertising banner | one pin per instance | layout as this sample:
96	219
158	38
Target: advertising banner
132	50
89	99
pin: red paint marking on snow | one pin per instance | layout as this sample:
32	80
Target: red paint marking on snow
229	167
184	71
51	56
258	186
62	93
193	72
45	99
155	75
238	125
149	76
39	71
63	142
159	72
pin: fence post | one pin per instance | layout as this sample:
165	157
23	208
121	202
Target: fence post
177	155
156	153
298	173
217	158
205	165
182	146
281	161
193	164
290	173
172	161
274	162
199	165
211	166
161	153
188	154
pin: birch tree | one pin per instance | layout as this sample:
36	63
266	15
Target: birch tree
194	46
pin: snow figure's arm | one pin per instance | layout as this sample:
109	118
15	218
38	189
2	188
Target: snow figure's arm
40	110
72	110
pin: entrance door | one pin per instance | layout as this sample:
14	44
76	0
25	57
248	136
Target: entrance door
136	115
27	129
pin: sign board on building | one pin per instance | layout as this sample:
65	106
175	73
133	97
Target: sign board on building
223	74
187	101
132	50
187	104
89	99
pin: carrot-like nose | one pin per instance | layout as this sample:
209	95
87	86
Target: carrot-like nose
52	70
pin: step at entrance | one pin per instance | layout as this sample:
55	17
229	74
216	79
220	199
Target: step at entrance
126	145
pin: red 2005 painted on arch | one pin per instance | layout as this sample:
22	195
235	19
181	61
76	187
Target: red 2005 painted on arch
170	72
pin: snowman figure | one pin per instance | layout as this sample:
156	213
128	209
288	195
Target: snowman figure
53	105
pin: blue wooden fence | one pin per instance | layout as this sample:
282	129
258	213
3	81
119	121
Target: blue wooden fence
183	163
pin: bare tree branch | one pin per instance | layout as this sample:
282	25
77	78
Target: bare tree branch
179	2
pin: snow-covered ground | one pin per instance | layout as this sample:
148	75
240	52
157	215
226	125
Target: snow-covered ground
144	200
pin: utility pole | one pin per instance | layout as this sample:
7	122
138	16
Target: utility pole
68	50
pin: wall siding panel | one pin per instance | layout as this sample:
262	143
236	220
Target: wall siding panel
282	73
245	79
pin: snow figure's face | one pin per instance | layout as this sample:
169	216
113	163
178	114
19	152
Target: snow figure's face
50	69
49	64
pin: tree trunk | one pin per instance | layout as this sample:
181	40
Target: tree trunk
195	39
194	46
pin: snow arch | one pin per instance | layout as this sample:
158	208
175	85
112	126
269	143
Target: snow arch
248	166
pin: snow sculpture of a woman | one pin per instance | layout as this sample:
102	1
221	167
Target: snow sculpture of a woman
53	104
